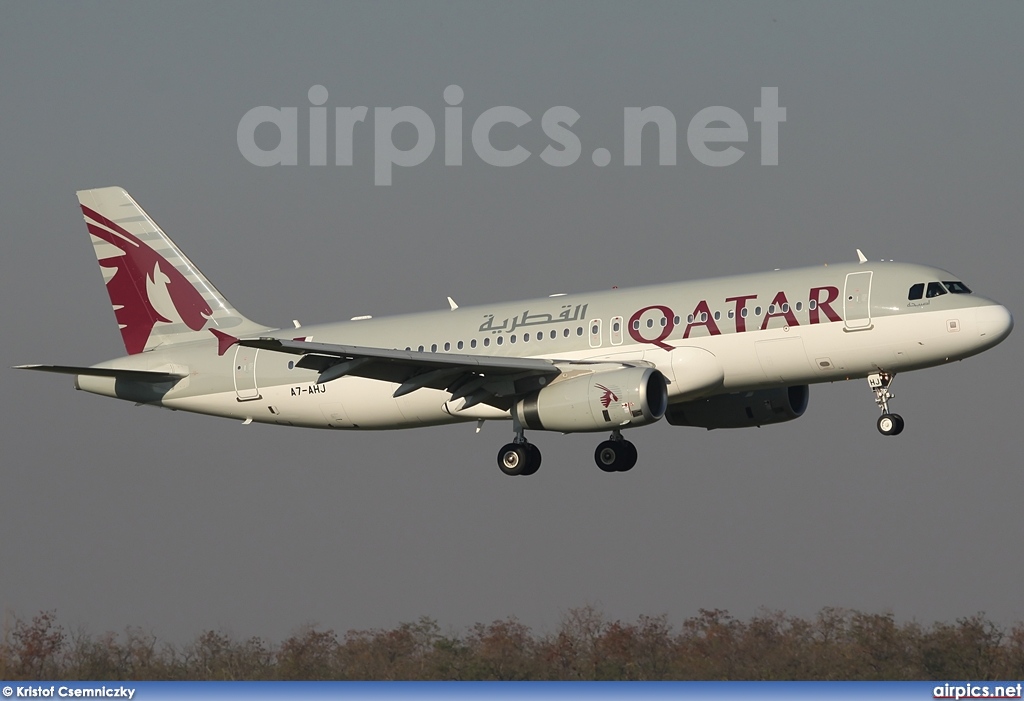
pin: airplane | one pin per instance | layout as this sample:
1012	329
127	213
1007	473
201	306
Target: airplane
728	352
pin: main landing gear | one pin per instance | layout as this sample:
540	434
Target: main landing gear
615	454
521	457
888	424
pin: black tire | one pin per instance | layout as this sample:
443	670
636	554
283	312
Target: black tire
890	424
533	461
610	455
629	456
513	459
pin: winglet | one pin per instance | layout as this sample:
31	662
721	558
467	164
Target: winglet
861	257
452	304
224	341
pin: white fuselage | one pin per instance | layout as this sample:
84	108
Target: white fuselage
707	337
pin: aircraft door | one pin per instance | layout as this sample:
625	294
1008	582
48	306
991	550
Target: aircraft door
245	374
857	301
595	333
615	328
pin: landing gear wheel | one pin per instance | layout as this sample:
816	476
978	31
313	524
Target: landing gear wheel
890	424
519	459
513	459
533	463
615	456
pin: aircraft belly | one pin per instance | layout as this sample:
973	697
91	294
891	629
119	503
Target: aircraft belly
783	359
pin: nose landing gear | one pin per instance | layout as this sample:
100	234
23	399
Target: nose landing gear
888	424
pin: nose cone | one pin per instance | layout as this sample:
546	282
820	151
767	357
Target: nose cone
994	323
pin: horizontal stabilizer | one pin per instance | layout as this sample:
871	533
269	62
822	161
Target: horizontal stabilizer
137	375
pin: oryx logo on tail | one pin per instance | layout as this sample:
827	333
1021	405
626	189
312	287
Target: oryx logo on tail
145	288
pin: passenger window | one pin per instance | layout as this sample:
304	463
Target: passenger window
935	289
916	291
957	287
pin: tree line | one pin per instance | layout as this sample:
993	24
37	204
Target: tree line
713	645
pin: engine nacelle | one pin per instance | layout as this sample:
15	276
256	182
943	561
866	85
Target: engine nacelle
742	410
600	400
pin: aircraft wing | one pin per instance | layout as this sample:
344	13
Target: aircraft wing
476	378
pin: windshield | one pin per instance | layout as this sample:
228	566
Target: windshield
957	287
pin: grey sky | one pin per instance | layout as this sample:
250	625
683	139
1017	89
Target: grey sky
903	138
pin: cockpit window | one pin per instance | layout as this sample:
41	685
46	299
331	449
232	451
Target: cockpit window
935	289
957	287
916	291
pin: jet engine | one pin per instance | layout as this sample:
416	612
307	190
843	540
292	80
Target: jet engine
596	400
742	410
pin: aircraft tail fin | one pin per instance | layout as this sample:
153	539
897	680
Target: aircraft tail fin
159	296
